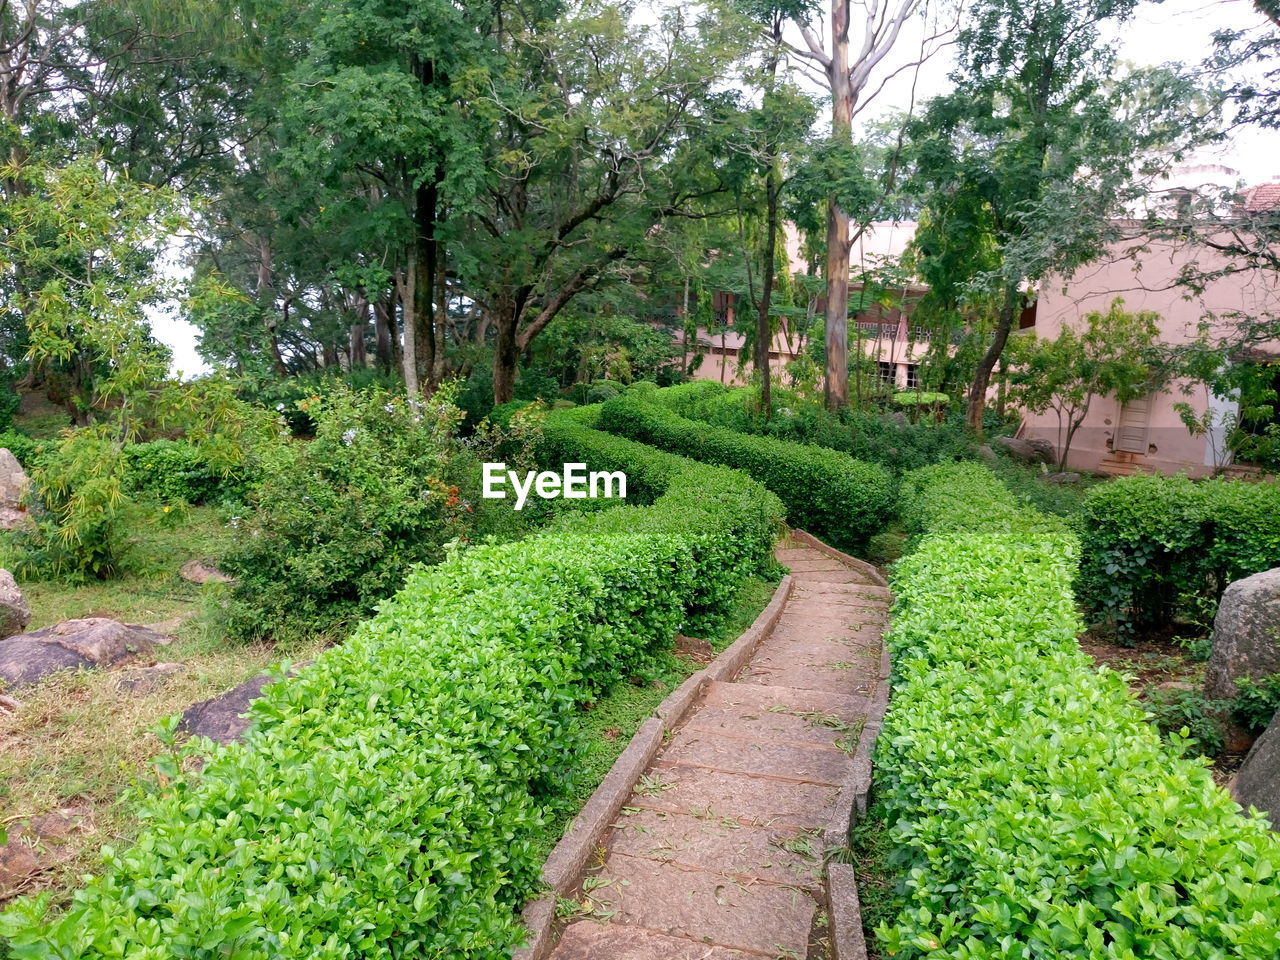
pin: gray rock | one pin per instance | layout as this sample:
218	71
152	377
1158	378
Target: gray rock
1064	477
223	718
198	571
72	644
15	612
143	680
986	453
1028	451
1246	635
1258	782
13	491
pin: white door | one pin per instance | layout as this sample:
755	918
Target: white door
1132	426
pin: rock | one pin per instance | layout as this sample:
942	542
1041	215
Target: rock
986	453
72	644
198	571
1246	635
1176	685
1028	451
143	680
13	490
1236	740
1064	477
1258	782
35	845
222	718
15	612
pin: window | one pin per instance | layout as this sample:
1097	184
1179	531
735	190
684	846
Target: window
887	371
913	376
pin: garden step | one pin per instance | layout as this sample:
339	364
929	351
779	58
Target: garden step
716	855
590	940
785	855
744	754
704	905
744	799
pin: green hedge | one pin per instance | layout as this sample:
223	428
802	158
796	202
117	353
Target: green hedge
178	470
1035	812
825	492
388	800
1155	547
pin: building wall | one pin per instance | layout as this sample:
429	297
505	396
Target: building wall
1148	282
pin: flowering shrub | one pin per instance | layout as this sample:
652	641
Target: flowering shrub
388	801
1035	811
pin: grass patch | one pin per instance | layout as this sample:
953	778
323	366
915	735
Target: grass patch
611	722
1026	483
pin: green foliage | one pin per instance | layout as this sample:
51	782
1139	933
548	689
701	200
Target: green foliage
174	470
863	434
922	399
1178	713
336	522
21	446
958	497
826	492
389	800
1036	813
1257	701
1154	544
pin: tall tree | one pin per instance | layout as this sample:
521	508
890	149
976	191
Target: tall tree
848	71
1033	156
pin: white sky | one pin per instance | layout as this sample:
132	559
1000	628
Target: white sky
1176	30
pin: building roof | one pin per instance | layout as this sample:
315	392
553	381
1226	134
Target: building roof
1264	196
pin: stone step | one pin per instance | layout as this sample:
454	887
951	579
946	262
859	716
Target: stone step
702	905
590	940
857	680
745	755
777	713
753	801
786	855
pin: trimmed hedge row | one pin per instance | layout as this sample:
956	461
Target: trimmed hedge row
960	497
1036	812
387	801
1154	543
825	492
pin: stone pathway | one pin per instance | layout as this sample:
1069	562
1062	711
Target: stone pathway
718	853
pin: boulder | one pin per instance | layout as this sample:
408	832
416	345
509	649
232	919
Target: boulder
13	491
72	644
15	612
39	843
1028	451
1246	635
198	571
1063	477
223	718
1258	782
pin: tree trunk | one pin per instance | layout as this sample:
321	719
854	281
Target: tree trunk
506	353
837	274
982	376
439	366
764	335
383	330
424	269
408	296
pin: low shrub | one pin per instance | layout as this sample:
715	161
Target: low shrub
869	434
1158	548
387	802
173	470
1257	701
959	497
1035	811
826	492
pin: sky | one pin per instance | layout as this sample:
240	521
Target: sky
1176	30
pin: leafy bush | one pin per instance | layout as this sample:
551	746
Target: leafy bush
388	801
826	492
1036	813
1186	713
1153	544
337	522
958	497
24	448
869	434
173	470
1257	701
